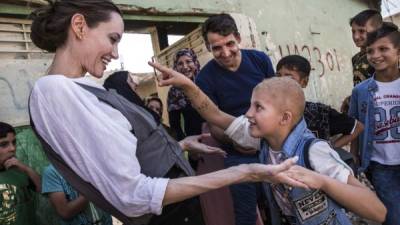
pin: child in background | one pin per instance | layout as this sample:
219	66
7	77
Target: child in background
324	121
17	181
71	207
364	22
376	103
276	116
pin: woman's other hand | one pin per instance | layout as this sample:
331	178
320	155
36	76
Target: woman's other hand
193	144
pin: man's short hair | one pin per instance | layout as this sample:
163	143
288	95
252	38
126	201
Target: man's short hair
363	17
387	29
297	63
222	24
5	128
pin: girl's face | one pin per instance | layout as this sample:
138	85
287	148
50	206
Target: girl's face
383	55
186	66
100	45
263	115
155	106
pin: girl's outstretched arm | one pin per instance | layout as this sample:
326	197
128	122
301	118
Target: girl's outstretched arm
203	105
354	196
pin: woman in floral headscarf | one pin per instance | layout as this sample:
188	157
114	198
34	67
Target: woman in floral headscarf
186	63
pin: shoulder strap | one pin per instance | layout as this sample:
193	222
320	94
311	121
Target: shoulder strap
306	152
113	99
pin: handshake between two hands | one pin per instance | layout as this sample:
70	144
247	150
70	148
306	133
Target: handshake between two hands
287	173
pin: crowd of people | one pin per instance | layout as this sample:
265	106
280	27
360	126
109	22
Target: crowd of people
112	154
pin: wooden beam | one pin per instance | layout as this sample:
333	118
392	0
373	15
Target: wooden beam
13	20
15	41
154	40
15	30
20	51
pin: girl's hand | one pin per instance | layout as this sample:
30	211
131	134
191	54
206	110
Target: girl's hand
311	178
170	76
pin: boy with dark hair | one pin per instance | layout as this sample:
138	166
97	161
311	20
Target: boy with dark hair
376	103
361	24
228	80
17	181
324	121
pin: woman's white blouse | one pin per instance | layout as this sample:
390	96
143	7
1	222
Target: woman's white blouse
95	140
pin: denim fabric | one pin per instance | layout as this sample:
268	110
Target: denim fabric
244	195
362	108
310	207
386	180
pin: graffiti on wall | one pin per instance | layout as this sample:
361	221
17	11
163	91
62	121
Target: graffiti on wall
18	104
17	78
321	60
330	67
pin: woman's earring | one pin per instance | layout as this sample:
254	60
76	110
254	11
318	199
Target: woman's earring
80	35
398	59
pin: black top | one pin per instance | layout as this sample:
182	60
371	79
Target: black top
326	122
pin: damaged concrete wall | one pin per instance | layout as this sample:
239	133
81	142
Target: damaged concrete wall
316	29
17	78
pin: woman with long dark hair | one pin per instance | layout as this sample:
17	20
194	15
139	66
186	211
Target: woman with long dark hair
111	149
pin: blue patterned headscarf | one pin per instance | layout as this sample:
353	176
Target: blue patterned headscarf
176	98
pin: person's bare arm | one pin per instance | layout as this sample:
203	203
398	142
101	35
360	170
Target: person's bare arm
345	139
183	188
203	105
354	196
354	151
67	209
219	134
33	176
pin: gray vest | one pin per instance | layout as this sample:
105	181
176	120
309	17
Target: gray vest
154	143
158	154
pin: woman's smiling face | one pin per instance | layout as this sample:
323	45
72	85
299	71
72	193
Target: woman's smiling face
100	45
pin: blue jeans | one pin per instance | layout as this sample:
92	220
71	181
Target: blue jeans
386	181
244	195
